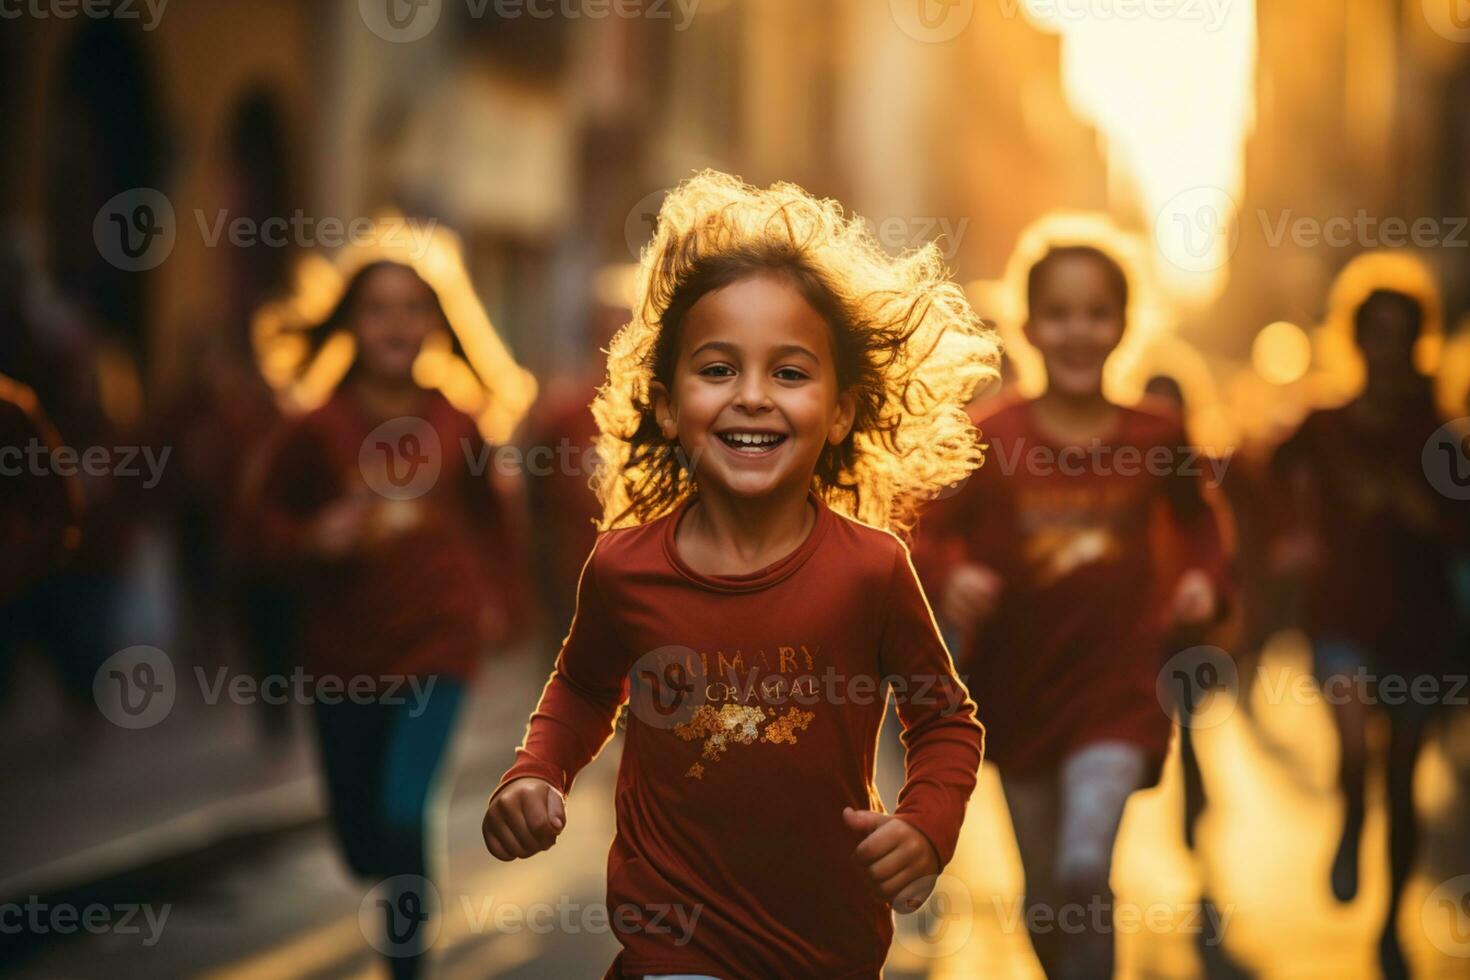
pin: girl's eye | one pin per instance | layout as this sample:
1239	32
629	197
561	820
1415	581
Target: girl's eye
791	374
717	371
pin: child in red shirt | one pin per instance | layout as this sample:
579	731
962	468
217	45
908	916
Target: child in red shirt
781	378
408	565
1042	562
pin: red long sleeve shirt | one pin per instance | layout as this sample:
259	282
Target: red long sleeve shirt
1072	653
756	705
411	600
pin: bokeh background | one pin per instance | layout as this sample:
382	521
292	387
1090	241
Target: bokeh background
1244	153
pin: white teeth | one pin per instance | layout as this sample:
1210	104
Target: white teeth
753	439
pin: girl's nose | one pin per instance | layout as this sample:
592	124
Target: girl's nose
752	394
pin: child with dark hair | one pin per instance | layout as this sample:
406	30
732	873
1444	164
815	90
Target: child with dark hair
1370	537
784	393
1042	564
408	568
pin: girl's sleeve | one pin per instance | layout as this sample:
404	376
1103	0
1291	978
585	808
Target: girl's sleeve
579	705
943	742
284	497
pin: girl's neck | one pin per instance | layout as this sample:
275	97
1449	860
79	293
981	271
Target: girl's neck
385	398
722	534
1074	418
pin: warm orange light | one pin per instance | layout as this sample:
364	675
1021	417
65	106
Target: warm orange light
1282	353
1171	90
486	382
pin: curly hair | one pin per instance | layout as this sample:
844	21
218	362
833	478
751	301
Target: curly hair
907	346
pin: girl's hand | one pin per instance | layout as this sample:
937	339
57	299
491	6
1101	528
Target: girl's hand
1195	601
898	858
970	595
523	819
339	527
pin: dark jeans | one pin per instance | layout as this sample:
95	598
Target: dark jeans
380	762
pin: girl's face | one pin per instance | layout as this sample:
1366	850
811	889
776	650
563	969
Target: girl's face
1076	321
395	312
754	398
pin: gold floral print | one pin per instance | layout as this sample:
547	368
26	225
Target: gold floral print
737	724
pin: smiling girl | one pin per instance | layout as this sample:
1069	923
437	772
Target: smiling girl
1042	563
783	393
404	583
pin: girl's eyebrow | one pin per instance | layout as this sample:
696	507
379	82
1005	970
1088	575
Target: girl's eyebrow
727	348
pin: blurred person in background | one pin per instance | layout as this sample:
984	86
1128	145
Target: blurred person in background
38	512
1042	564
89	385
1370	538
220	425
407	589
562	434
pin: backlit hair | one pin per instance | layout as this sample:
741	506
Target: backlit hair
907	345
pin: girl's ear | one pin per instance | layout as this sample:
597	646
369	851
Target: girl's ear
663	409
842	422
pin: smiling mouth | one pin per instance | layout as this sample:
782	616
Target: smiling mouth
752	443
